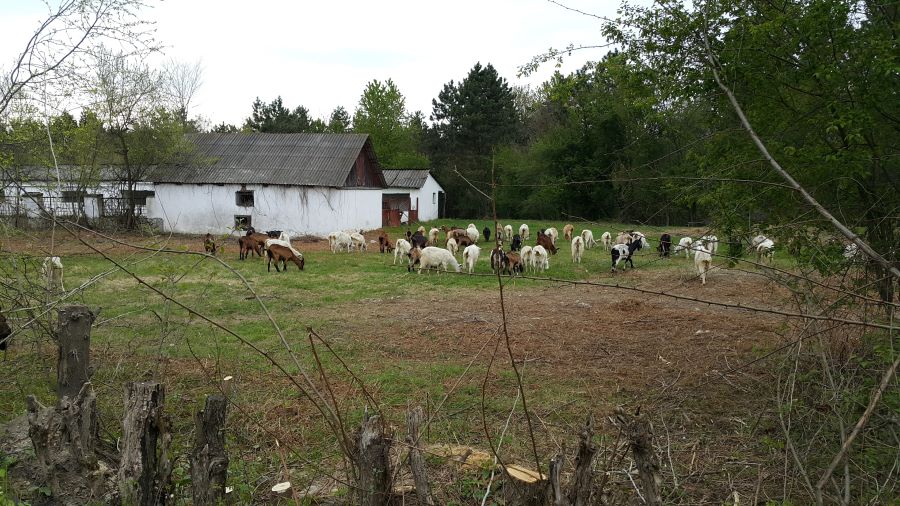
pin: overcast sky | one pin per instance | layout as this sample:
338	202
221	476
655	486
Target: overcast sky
321	54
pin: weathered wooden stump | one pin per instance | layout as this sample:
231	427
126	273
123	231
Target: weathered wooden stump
144	467
74	360
209	462
640	440
416	461
373	464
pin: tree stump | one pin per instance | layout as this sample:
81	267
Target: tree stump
144	469
209	462
525	487
74	360
64	439
582	481
373	465
416	461
640	440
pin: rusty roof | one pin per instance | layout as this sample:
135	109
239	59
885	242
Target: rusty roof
303	159
405	178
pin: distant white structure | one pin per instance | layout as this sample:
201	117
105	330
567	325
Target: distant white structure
414	192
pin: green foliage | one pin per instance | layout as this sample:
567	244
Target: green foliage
381	113
339	121
274	117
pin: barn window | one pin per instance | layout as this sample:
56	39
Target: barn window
242	222
72	196
140	196
244	198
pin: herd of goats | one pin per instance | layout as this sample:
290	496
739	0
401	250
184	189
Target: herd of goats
422	251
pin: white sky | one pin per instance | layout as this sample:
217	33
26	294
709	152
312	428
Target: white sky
321	54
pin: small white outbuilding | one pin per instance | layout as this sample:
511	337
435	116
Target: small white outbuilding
414	193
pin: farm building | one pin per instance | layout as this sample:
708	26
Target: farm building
305	183
410	196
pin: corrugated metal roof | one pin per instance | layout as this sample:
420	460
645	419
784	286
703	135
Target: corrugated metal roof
67	174
304	159
405	178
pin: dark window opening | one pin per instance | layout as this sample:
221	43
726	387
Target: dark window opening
140	196
244	198
242	222
72	196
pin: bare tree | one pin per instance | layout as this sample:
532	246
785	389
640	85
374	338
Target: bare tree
62	43
182	80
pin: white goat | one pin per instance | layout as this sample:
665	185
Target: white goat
452	246
765	249
756	241
359	242
472	232
619	253
624	238
523	232
470	256
438	258
553	234
606	239
711	243
433	236
507	233
340	241
684	244
527	257
540	258
577	249
53	273
588	237
401	249
703	261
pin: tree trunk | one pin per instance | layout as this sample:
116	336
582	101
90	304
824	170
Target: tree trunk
209	462
640	439
373	463
416	461
144	471
64	438
73	363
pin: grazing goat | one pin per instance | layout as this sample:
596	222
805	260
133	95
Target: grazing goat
402	247
757	240
342	240
765	249
498	259
684	244
624	238
620	253
513	264
486	232
384	242
452	246
53	273
282	254
526	257
606	239
438	258
711	243
540	260
463	240
665	245
588	238
523	232
209	244
418	240
470	256
415	256
359	241
508	233
640	237
472	233
421	230
567	231
553	234
433	236
703	261
577	249
547	242
247	246
516	244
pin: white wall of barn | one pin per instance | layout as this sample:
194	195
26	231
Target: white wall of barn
211	208
28	197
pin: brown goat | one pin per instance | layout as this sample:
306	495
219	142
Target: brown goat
384	242
545	241
567	231
513	263
248	246
209	244
283	255
462	240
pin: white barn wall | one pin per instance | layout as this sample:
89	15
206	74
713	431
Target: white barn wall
210	208
14	198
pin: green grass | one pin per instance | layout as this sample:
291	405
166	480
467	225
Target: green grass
141	336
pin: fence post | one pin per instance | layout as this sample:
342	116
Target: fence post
416	461
74	359
373	463
144	471
209	461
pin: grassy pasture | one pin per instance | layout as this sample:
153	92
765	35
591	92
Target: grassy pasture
412	339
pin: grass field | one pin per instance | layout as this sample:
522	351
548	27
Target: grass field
411	339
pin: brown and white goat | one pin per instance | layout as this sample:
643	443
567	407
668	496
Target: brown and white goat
283	255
